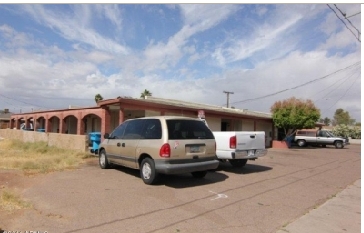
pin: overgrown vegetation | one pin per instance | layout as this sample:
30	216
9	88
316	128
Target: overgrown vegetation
346	131
11	201
37	157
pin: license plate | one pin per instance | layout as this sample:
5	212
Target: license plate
251	153
194	149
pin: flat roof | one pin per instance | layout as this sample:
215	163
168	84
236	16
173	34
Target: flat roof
179	104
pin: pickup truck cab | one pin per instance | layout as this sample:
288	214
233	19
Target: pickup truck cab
304	137
239	146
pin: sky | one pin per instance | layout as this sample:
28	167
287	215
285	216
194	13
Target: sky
54	56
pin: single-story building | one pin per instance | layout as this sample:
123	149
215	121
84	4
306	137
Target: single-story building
111	112
5	117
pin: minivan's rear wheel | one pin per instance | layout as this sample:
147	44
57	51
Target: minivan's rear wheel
301	143
238	162
199	174
147	171
103	162
339	145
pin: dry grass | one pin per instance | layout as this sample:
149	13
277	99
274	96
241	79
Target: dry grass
37	157
11	201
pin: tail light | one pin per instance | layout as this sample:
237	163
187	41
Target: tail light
165	151
233	142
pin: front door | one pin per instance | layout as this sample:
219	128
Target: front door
129	142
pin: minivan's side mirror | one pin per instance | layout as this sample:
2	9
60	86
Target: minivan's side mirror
106	136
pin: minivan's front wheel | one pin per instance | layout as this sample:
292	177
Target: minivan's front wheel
339	145
103	162
147	171
199	174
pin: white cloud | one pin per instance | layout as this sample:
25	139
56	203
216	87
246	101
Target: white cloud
279	62
73	27
205	16
197	18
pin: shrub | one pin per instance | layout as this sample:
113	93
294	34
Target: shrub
345	131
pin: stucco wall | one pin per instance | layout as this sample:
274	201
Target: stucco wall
214	123
247	125
267	128
152	113
65	141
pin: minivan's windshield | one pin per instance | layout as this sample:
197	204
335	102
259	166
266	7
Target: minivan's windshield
188	129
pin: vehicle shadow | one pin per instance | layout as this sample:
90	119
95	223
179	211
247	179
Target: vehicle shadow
310	147
126	170
185	180
247	169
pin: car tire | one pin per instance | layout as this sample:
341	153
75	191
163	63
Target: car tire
301	143
339	145
103	161
238	162
199	174
147	171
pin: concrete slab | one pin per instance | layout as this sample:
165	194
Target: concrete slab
340	214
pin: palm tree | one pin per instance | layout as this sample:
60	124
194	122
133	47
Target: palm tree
145	93
98	97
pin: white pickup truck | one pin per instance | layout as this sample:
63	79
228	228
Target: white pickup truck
239	146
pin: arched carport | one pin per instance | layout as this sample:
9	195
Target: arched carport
70	124
92	123
53	124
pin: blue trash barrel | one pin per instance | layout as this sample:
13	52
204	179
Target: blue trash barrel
95	139
41	130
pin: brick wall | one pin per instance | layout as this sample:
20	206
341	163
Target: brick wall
65	141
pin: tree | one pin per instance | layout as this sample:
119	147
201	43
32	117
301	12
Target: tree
342	117
145	93
327	121
98	97
293	113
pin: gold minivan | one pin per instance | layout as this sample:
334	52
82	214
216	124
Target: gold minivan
161	144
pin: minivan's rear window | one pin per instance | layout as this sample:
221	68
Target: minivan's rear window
188	129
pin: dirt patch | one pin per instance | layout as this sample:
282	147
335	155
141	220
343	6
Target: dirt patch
18	181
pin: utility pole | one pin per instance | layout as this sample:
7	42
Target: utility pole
228	97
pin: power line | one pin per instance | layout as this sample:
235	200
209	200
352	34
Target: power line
304	84
343	94
352	15
23	102
56	98
359	33
342	81
343	22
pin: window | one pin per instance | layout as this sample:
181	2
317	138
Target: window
308	133
322	134
134	129
119	131
152	129
188	129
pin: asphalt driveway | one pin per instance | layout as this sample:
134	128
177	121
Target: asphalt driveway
264	196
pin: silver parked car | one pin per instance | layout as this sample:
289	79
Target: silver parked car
161	144
306	137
